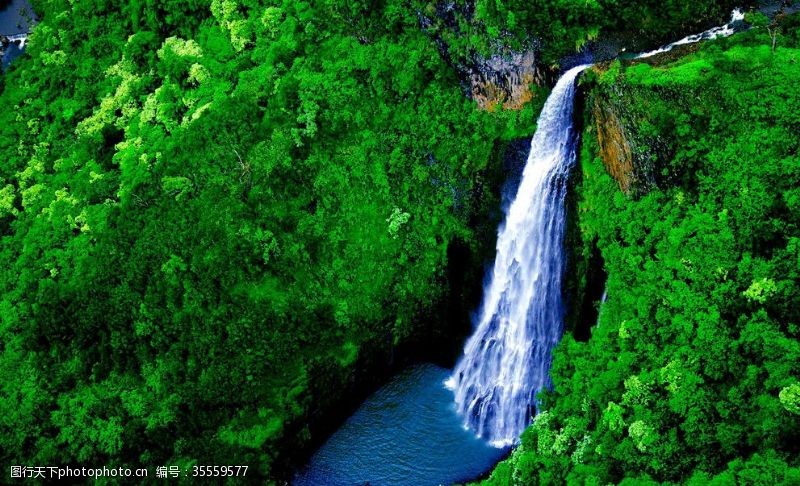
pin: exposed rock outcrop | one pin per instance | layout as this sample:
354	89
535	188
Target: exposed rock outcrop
615	148
505	81
629	154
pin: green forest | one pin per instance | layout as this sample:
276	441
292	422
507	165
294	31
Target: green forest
222	221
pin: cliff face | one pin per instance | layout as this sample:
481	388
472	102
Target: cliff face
629	151
614	132
501	77
505	81
615	146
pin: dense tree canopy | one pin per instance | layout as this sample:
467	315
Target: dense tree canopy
559	28
207	208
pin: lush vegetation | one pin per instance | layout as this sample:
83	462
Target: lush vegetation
693	371
208	209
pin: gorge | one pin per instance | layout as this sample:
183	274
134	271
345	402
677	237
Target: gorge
408	433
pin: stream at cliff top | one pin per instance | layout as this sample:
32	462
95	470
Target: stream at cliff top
407	433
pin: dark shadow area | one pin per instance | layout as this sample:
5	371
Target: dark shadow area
585	275
588	307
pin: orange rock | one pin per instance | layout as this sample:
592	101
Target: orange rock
615	149
505	82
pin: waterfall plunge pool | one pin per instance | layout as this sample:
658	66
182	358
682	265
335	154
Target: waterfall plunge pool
406	433
410	432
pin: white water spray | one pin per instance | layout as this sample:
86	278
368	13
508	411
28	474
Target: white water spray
20	39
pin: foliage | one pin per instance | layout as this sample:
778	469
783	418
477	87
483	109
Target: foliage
209	209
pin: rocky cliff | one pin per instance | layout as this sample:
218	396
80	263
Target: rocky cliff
506	81
615	144
629	150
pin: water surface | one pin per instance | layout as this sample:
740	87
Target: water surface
407	433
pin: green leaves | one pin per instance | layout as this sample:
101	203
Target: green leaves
208	220
760	290
790	398
396	220
178	187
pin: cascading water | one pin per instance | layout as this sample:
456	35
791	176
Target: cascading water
506	362
408	433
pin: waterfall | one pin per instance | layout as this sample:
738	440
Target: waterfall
506	361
